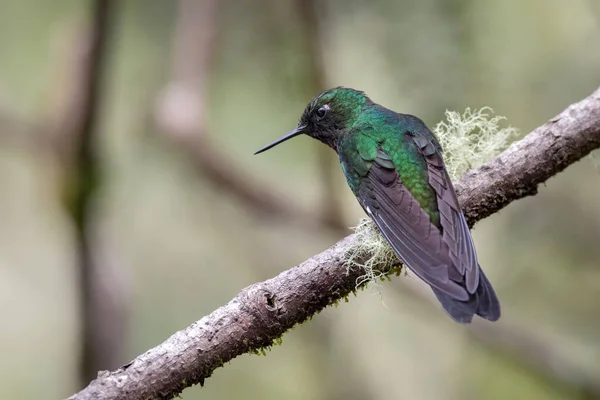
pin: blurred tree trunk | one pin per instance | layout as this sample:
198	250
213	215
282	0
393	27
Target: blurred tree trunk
102	294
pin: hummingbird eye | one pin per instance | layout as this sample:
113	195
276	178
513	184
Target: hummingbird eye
321	111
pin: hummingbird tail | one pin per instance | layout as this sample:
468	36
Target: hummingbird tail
483	303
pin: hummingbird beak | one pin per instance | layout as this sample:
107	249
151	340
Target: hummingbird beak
298	131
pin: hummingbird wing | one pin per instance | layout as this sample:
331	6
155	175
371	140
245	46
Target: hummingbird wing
443	254
407	226
455	231
457	236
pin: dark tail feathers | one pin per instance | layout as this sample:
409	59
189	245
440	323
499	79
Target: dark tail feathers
483	303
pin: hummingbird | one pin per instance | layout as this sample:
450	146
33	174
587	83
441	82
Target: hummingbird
393	164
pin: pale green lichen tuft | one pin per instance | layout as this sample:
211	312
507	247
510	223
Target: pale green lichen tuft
469	140
378	252
472	138
594	158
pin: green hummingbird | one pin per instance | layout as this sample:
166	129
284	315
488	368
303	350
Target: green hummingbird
393	164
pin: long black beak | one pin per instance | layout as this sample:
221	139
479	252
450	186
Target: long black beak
298	131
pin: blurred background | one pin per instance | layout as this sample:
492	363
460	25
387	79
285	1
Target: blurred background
132	205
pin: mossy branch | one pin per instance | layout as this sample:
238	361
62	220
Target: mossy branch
262	312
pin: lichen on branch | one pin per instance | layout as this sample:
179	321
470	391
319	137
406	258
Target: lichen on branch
370	252
472	138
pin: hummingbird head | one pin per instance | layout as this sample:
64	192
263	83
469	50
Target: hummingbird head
327	116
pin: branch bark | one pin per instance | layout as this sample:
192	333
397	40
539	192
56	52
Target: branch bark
262	312
517	172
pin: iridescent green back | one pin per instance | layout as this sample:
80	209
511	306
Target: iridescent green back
377	128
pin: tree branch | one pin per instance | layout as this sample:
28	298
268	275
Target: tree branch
262	312
546	151
181	116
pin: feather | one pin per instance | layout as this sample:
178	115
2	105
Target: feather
443	255
408	228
